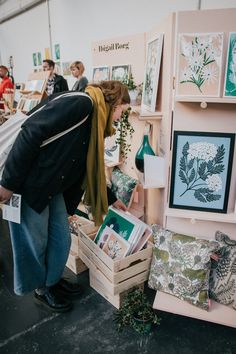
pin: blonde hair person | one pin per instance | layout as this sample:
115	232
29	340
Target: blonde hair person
77	70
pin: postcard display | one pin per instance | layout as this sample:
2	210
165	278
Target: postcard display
202	188
33	92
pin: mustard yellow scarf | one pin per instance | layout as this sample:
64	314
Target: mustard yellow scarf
95	185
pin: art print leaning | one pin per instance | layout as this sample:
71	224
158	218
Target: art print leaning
151	74
201	170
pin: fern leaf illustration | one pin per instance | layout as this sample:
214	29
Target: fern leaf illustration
192	175
185	149
183	177
220	154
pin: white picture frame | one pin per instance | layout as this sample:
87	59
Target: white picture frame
120	72
100	73
152	72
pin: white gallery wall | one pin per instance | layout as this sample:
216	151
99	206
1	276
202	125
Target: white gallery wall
75	24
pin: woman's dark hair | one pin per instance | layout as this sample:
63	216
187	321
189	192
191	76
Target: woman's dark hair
114	92
4	68
50	62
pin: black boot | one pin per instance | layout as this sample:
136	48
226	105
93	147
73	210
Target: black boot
53	301
67	288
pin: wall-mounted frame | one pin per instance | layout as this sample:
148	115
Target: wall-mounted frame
230	71
120	72
151	73
100	73
199	64
201	170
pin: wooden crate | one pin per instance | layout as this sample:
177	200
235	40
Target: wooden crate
83	222
115	300
118	276
75	264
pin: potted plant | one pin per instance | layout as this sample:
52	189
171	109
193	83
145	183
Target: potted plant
136	312
132	87
125	129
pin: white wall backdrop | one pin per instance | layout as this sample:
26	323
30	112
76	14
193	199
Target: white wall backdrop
75	24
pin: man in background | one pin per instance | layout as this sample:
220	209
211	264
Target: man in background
56	83
6	83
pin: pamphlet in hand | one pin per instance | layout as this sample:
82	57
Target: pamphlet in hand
11	210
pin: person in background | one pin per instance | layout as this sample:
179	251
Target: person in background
56	83
77	70
6	83
52	180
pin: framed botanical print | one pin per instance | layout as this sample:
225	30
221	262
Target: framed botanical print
199	64
230	72
100	73
201	170
120	72
151	73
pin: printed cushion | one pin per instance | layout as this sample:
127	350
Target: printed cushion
122	185
223	272
181	266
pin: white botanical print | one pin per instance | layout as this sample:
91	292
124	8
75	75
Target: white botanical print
201	54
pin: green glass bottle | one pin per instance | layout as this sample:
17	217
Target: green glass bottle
145	148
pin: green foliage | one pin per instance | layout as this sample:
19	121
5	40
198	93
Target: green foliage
125	129
136	312
129	82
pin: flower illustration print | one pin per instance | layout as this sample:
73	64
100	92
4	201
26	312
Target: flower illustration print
200	167
201	56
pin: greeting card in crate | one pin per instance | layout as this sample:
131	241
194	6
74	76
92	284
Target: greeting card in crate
118	255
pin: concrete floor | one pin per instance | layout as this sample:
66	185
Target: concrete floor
89	327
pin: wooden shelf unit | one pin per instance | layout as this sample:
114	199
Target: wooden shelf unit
218	313
189	115
201	215
146	115
205	99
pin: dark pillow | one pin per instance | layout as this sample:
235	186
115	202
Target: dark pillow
122	185
223	272
181	266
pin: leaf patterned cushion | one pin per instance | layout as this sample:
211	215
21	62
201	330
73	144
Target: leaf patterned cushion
122	185
181	266
223	272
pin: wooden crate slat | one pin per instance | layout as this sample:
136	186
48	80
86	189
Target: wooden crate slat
114	277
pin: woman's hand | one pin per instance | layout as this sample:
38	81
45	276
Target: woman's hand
5	194
120	205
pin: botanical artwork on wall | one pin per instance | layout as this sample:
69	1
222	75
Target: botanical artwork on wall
57	51
230	73
199	64
100	73
39	58
120	72
66	68
35	59
201	170
151	73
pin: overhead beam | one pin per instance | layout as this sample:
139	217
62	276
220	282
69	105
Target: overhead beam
21	10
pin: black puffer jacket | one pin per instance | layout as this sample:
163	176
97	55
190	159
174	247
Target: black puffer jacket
60	84
39	173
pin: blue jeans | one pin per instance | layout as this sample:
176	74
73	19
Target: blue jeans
41	245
